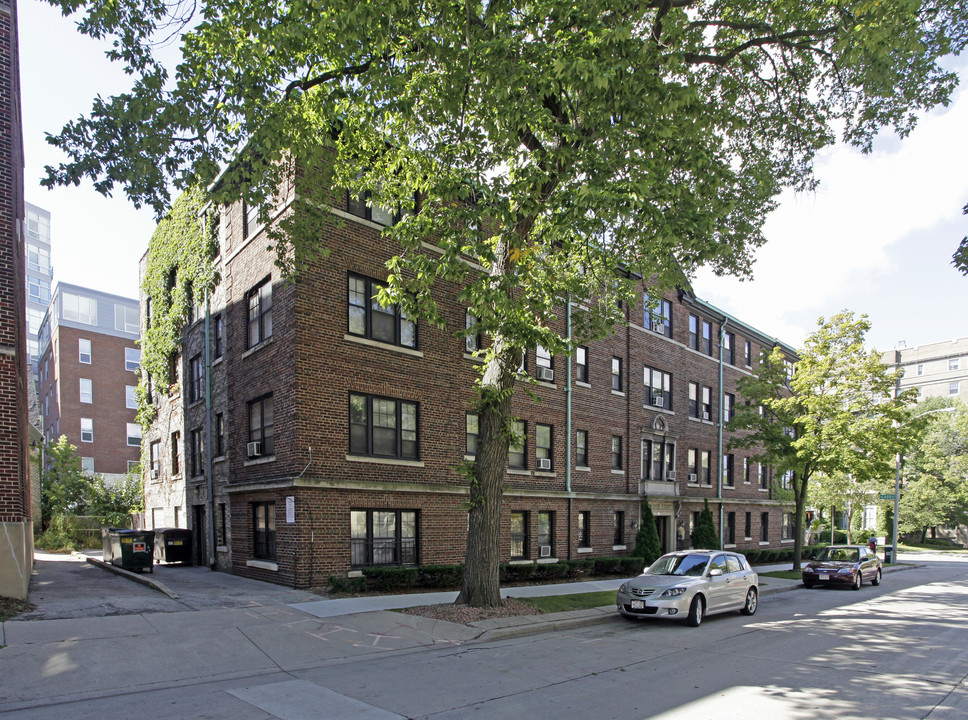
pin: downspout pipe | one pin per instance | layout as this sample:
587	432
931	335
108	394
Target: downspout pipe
719	439
210	482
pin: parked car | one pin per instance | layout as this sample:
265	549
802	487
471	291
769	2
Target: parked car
689	585
846	565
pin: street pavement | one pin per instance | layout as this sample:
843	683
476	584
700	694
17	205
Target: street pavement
209	627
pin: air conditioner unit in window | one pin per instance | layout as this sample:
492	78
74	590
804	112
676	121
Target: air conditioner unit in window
693	477
154	473
546	374
544	550
705	415
544	463
670	474
657	399
253	449
658	326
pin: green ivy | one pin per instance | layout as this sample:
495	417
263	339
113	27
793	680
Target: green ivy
179	268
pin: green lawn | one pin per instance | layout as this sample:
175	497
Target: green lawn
785	574
579	601
936	546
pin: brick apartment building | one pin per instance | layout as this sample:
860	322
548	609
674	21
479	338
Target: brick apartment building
16	526
335	426
87	375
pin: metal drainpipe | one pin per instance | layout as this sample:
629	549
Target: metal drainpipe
568	424
208	435
719	442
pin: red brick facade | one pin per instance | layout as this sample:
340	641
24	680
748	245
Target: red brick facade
311	365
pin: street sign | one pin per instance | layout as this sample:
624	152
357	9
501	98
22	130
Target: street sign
887	496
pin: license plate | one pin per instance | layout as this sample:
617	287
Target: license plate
638	605
823	577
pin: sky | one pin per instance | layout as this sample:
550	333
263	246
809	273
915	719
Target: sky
876	237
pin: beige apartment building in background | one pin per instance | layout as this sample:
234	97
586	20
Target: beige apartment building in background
936	370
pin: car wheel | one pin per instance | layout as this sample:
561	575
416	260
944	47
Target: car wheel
696	611
750	606
807	585
877	578
858	581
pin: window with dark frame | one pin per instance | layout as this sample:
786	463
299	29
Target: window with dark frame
786	527
383	537
693	400
542	359
251	222
618	533
261	425
748	527
658	388
693	332
383	427
658	460
175	447
707	403
707	338
729	343
616	452
584	529
729	406
517	450
764	527
219	434
264	530
617	374
197	452
543	446
220	531
519	535
471	432
581	448
361	206
692	462
545	535
747	465
472	338
729	479
658	319
748	354
259	324
730	528
196	379
155	459
367	318
581	364
705	470
764	476
218	336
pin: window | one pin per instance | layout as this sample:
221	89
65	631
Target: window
954	363
617	374
79	308
251	222
133	432
132	359
747	463
618	533
87	465
616	452
519	535
470	434
87	430
658	388
219	434
38	258
130	397
259	301
175	453
84	351
87	390
764	527
126	318
693	332
218	336
658	459
707	403
692	462
264	530
542	359
786	528
693	400
658	319
546	522
197	452
517	451
729	403
367	318
920	368
383	537
729	342
748	526
134	466
360	207
748	354
472	339
261	426
581	364
581	448
705	476
728	478
38	290
763	477
154	454
706	345
543	446
196	379
584	529
220	536
730	528
953	387
383	427
34	319
786	480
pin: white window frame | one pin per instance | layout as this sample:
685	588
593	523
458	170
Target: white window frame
81	354
79	308
133	432
87	427
86	395
132	359
130	398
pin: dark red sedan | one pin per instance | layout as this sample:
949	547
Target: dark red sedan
848	565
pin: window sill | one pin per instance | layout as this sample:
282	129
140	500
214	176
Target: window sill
382	345
763	489
546	561
262	565
259	461
520	561
586	550
582	383
617	472
764	542
194	404
550	386
518	471
354	573
786	540
728	487
221	548
384	461
474	358
218	361
545	473
582	468
256	348
747	538
658	409
618	393
619	547
218	459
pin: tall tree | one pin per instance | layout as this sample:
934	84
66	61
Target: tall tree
556	150
847	493
65	489
834	414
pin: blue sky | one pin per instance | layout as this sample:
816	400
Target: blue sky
876	238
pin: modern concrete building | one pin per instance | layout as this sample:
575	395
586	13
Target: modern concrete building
89	360
305	432
39	278
16	525
937	369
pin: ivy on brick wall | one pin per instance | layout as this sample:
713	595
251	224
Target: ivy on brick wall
179	269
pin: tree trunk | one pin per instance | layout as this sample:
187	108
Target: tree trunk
924	534
481	585
799	502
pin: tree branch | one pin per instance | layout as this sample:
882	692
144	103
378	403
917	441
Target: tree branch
781	39
348	71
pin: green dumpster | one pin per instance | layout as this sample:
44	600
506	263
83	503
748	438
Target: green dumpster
129	549
173	545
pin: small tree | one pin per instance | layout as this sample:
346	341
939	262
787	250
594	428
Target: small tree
647	538
704	535
65	489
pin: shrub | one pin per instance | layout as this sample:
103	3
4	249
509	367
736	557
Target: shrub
579	568
346	585
386	579
551	571
517	573
647	544
753	556
704	536
607	566
632	565
440	576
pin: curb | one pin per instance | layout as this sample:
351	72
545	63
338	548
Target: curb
138	578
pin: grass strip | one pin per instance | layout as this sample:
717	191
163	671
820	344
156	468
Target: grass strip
578	601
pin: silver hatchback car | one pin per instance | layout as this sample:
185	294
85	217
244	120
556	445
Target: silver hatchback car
689	585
